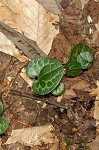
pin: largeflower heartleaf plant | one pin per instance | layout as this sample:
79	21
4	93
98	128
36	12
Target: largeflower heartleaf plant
81	58
48	72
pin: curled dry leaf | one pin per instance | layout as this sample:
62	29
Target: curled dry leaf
7	47
34	136
32	19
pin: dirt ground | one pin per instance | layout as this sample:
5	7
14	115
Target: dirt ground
76	122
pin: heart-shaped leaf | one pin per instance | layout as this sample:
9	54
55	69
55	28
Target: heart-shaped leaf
1	107
3	125
73	68
48	71
59	90
82	54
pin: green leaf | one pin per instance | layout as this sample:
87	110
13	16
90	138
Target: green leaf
73	68
1	107
85	59
69	142
35	65
59	90
3	125
48	71
82	54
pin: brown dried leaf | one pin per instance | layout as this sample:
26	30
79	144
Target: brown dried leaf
95	92
32	19
7	47
82	85
34	136
69	94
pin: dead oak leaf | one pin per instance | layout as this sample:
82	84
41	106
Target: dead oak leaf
34	136
31	19
95	92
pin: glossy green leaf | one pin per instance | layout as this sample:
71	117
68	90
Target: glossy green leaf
82	54
59	90
1	107
48	71
73	68
3	125
35	65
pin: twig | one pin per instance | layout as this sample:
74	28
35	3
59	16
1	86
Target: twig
22	123
33	97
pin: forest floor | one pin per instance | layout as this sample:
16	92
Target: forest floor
72	114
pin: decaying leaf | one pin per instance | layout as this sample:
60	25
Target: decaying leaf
69	93
6	15
81	85
32	19
35	136
51	6
78	85
7	47
26	78
95	92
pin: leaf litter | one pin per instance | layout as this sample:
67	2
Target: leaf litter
79	121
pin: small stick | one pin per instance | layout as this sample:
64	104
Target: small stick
36	98
22	123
